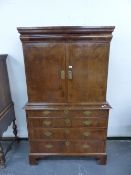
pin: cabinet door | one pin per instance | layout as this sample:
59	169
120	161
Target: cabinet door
44	63
89	63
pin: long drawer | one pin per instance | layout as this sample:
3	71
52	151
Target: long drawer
67	122
67	133
67	113
67	146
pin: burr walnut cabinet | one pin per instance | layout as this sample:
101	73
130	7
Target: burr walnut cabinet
66	73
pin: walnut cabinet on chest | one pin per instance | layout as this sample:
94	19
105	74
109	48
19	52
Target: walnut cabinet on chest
66	73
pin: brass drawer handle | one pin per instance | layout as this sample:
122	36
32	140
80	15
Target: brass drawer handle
87	122
46	112
47	122
85	146
48	133
87	113
67	143
62	74
86	133
67	121
49	146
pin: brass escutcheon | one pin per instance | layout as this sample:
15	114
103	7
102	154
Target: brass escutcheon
46	112
86	133
48	133
47	122
49	146
87	122
87	113
67	121
67	143
85	146
66	111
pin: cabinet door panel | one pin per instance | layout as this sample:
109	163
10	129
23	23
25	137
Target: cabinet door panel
44	62
89	63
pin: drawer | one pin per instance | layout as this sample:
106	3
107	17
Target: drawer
67	113
67	133
90	122
49	122
56	122
67	146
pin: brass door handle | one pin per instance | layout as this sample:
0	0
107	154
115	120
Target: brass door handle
62	74
70	76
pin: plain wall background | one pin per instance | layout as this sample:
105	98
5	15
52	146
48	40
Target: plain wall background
19	13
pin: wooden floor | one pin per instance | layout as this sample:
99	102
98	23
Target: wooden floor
119	162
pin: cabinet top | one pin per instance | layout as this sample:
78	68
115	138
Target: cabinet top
66	32
66	29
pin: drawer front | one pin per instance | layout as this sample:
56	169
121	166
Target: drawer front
67	146
49	122
67	133
67	113
67	122
90	122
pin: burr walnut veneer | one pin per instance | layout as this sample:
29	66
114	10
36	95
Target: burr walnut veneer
66	72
